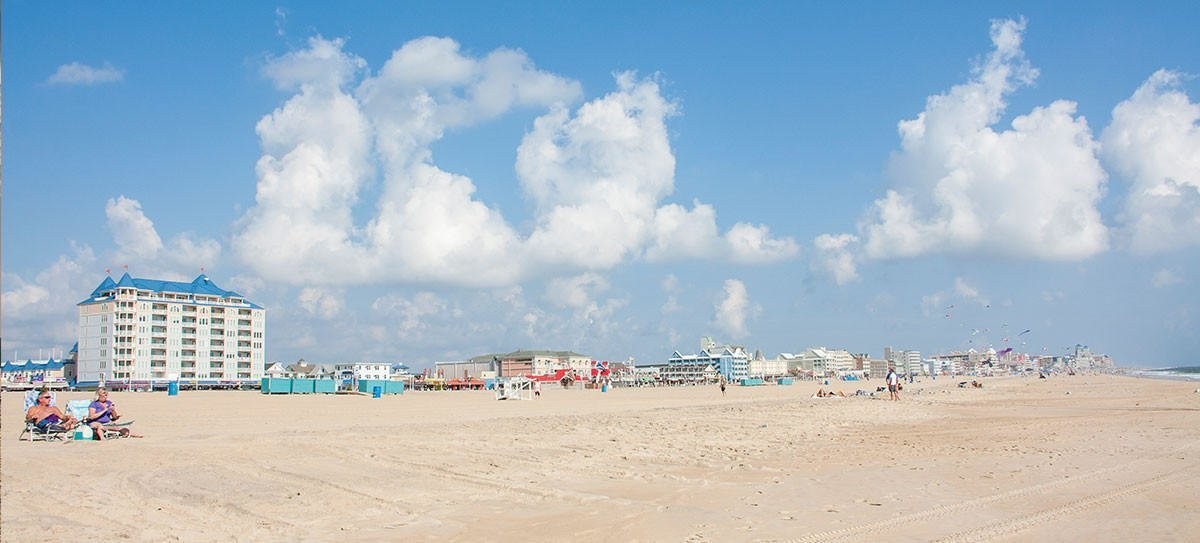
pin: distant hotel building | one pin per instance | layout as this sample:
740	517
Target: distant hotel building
730	362
151	330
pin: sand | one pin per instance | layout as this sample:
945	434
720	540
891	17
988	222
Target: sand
1083	458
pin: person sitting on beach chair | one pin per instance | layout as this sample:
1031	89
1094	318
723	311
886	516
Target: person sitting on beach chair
102	417
47	418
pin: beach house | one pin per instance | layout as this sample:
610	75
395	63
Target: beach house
149	330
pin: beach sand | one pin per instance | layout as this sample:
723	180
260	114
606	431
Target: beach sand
1082	458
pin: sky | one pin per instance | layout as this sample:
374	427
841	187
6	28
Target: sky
420	183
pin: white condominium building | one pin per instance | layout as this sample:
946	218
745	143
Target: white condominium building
152	330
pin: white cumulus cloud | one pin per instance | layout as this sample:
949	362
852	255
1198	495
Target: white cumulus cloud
835	258
734	309
77	73
139	246
1029	191
324	303
595	174
1154	140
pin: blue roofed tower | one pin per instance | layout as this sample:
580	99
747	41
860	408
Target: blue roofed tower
153	330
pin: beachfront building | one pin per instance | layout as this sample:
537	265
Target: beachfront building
361	371
22	375
959	362
1084	359
147	330
820	361
760	366
483	366
876	368
529	363
905	362
532	363
730	362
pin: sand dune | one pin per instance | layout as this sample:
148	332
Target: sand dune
1018	460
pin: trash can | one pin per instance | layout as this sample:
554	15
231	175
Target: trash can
604	387
376	391
173	388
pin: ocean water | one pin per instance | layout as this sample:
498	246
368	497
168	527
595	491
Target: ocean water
1189	373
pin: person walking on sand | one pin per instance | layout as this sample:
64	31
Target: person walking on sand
722	388
893	384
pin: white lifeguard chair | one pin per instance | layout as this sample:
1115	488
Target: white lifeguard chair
514	388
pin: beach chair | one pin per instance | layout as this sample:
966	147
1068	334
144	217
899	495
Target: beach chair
54	432
79	410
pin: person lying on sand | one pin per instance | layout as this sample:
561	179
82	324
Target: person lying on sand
831	394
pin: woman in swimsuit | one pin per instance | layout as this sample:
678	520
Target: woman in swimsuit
44	415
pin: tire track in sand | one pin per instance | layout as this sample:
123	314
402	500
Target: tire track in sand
1015	525
943	510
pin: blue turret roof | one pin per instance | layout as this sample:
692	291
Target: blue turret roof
200	285
106	284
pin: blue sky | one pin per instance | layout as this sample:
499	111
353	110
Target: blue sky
422	183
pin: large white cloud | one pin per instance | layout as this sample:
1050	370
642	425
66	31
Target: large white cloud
1154	140
594	174
1029	191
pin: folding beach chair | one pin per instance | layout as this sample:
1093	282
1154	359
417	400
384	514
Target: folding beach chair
79	410
54	432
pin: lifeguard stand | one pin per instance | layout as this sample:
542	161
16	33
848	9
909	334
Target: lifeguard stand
514	388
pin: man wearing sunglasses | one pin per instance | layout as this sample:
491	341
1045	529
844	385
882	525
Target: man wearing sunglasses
45	416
